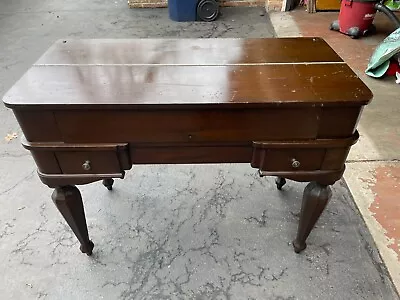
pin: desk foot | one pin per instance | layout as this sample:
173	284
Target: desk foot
298	247
280	182
108	183
68	201
315	199
88	249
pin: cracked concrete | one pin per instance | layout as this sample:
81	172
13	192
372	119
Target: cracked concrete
188	232
165	232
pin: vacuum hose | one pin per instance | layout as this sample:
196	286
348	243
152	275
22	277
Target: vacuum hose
382	8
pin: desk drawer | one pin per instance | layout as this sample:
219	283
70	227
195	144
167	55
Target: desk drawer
188	126
308	155
87	162
64	158
288	159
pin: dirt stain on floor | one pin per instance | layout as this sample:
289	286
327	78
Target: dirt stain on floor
386	205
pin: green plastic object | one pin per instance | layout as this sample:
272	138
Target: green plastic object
392	4
380	59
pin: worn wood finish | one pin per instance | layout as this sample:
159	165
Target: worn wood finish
89	109
188	51
168	86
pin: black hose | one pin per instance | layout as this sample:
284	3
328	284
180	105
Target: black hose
389	13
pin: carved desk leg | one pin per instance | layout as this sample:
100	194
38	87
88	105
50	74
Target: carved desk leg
108	183
69	202
315	198
280	182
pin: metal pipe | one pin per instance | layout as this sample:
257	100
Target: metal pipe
382	8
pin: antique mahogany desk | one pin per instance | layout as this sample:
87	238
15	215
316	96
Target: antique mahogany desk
90	109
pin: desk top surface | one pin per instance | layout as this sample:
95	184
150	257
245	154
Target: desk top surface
144	73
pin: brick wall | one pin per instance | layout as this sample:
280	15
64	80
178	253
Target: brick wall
147	3
274	5
269	4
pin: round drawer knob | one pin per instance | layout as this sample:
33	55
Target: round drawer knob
86	165
295	163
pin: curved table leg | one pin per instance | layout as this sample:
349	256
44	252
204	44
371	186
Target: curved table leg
108	183
315	198
280	182
69	202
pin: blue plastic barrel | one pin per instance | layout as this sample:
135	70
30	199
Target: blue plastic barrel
182	10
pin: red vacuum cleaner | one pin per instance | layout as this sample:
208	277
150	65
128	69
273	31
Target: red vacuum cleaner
356	17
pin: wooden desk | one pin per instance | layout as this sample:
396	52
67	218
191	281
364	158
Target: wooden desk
89	109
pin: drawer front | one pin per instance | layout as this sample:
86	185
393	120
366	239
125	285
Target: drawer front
288	159
188	126
190	154
88	162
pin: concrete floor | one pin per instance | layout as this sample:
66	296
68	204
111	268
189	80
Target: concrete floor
165	232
